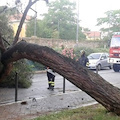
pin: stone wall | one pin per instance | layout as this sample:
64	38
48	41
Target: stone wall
67	43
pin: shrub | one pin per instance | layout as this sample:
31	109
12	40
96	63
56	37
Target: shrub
35	65
68	52
24	75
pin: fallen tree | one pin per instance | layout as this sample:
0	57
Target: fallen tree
88	81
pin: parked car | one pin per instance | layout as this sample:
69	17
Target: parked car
98	60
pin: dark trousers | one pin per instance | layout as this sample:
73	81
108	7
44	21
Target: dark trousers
51	79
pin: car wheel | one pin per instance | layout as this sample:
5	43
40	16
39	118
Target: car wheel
116	67
99	67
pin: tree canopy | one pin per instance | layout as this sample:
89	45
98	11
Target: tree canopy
59	22
7	36
5	29
112	21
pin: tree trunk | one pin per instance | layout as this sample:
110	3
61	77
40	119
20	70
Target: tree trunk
88	81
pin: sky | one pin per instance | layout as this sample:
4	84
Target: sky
89	10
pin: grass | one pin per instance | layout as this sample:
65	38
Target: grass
94	112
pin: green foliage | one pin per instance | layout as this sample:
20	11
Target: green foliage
112	20
24	75
35	65
42	30
30	29
24	71
59	22
39	66
61	18
5	29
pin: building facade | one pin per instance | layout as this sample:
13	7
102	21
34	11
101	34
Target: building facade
93	35
14	21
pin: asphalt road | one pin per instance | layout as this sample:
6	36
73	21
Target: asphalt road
40	84
111	76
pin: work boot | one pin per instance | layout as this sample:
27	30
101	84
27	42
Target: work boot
49	86
52	88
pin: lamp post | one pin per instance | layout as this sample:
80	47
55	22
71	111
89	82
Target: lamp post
35	21
110	22
77	31
109	25
58	29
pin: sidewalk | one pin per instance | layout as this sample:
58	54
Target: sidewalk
42	101
38	100
35	107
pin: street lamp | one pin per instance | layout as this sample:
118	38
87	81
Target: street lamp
77	31
35	21
109	24
58	29
35	25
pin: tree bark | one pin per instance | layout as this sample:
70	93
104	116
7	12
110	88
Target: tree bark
22	21
88	81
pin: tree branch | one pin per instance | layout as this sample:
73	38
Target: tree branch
22	21
5	71
2	47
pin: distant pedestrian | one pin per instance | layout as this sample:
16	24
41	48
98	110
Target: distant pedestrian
51	78
83	60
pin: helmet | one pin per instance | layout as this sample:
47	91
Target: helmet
82	51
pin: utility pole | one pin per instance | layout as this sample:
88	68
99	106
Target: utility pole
58	29
109	24
77	31
35	21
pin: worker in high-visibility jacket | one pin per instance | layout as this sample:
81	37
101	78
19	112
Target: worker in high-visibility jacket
51	78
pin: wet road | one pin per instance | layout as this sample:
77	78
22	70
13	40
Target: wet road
37	90
40	84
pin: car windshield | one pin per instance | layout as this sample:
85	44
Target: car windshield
94	56
115	42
